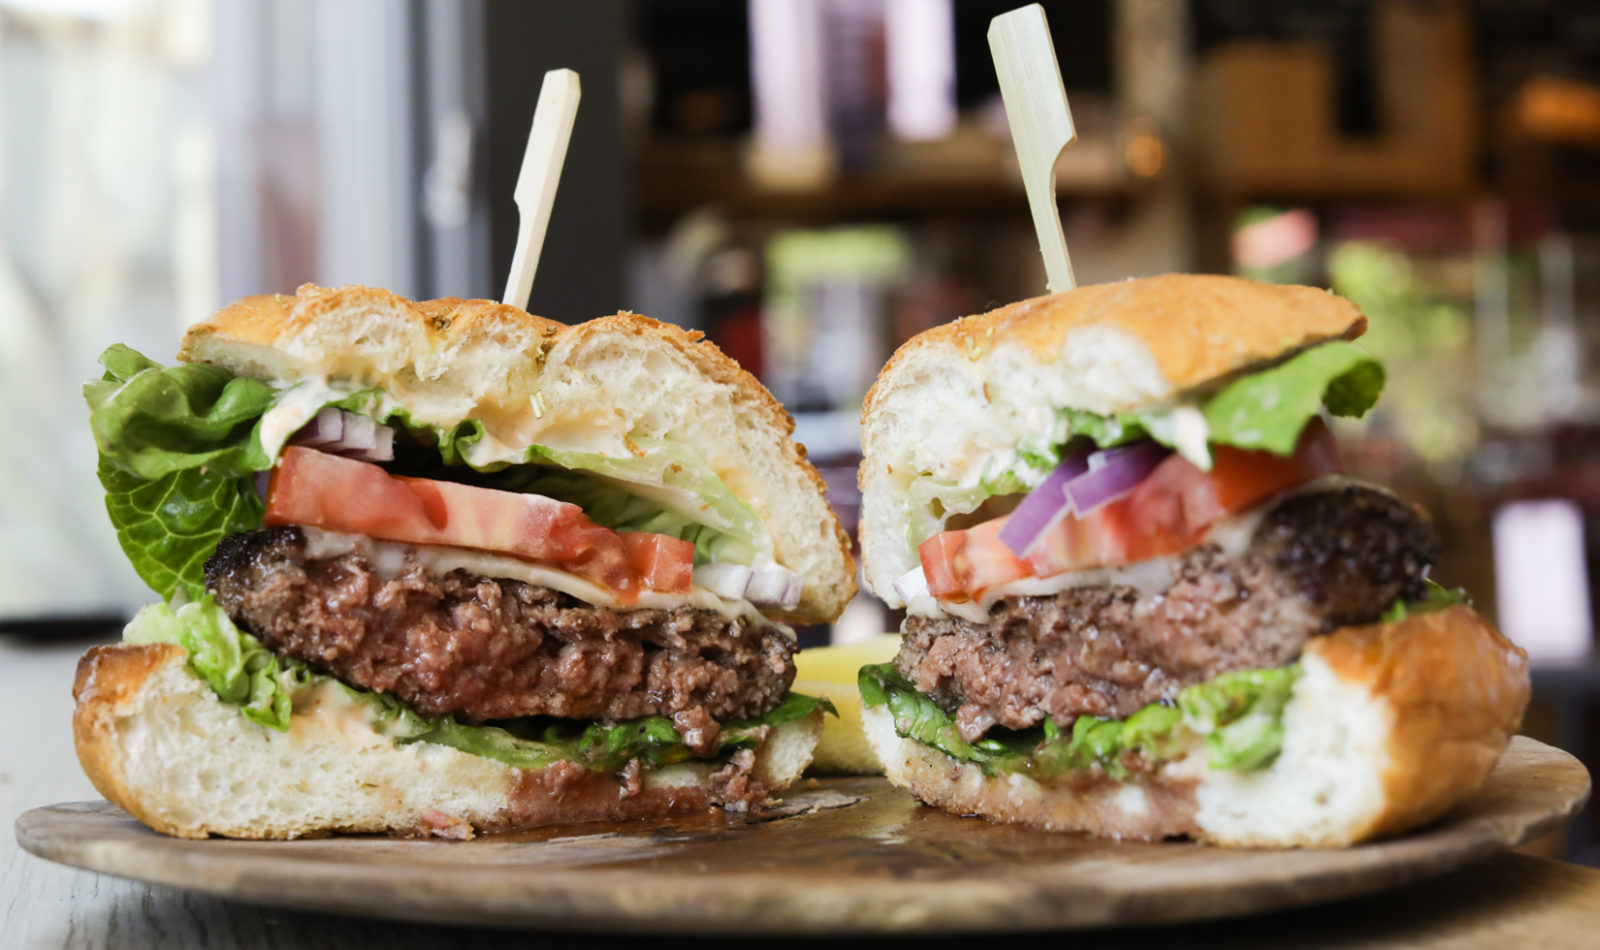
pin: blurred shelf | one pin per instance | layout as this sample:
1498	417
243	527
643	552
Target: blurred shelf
1579	677
968	176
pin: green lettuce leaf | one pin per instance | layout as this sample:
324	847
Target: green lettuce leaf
1105	431
1264	410
152	421
1437	598
232	662
170	525
600	747
919	717
178	455
1267	410
1240	716
241	670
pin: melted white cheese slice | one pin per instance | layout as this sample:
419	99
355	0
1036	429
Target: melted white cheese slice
387	559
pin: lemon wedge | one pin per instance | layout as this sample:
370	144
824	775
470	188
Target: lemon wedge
831	672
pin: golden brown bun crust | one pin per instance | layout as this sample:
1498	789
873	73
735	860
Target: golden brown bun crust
1458	689
314	331
266	318
107	680
1197	327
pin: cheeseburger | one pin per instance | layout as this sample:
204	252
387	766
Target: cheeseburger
440	567
1142	599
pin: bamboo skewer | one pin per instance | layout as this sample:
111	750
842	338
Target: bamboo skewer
1041	125
541	173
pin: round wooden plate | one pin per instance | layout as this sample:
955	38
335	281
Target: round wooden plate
839	855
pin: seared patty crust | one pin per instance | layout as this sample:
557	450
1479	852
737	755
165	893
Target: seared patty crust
488	648
1317	561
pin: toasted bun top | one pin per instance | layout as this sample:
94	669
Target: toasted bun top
1165	335
960	394
593	387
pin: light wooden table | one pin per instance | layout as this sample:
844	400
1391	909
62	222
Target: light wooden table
1509	901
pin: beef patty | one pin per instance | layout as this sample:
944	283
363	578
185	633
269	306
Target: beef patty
487	648
1316	562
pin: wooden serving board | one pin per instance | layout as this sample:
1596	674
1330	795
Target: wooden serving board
839	855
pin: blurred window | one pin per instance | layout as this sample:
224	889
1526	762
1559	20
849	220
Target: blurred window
108	198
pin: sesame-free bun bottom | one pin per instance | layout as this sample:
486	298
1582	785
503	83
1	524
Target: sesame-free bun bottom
156	741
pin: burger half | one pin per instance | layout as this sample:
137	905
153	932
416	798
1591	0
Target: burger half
1142	600
442	567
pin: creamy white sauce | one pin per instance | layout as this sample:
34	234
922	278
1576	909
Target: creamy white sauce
1231	535
490	450
302	398
329	706
387	559
1190	433
294	409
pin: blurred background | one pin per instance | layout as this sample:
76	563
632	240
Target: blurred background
811	182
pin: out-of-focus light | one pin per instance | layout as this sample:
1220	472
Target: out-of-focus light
1559	110
1144	153
1275	240
921	54
102	10
791	106
1541	581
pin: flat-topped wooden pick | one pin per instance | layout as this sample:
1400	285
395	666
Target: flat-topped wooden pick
541	173
1041	124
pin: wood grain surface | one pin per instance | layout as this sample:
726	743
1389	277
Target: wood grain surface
841	855
1506	900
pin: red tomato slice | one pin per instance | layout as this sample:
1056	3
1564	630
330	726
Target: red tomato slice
938	563
970	563
1168	513
662	562
340	494
1241	478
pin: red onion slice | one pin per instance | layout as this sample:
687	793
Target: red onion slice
324	429
1083	481
1119	472
1045	505
727	581
911	585
345	433
772	585
360	435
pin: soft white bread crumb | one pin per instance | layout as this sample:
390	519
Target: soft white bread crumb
961	394
1390	726
595	386
1325	787
156	741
